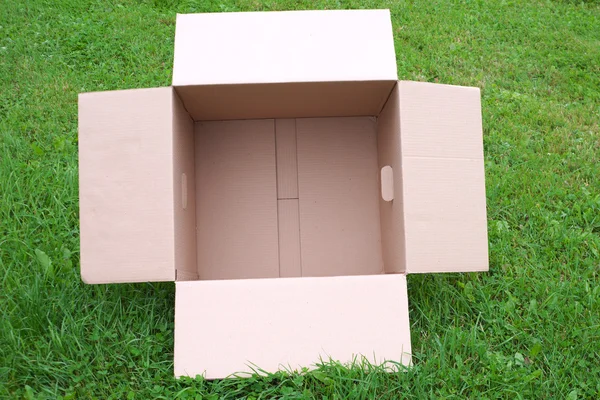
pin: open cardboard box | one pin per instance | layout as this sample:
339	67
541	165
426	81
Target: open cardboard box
286	148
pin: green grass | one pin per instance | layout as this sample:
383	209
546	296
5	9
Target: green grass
530	328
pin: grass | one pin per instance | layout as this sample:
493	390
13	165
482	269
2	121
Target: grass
530	328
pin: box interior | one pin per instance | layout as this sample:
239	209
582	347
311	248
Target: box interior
287	164
278	187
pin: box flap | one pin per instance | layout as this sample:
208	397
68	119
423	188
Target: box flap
225	327
286	46
127	185
443	179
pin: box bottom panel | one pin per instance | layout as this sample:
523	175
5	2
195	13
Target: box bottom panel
287	198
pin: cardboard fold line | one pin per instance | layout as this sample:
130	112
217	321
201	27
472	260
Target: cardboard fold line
287	164
290	259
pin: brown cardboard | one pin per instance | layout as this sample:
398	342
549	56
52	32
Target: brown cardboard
290	258
184	193
236	199
287	159
126	185
338	193
289	323
285	46
443	178
391	214
293	191
285	100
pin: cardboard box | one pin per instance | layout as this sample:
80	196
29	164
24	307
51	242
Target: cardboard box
287	182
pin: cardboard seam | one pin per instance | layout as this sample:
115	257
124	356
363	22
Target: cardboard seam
402	189
443	158
173	205
277	200
286	197
195	202
382	105
448	85
298	193
437	271
280	83
297	177
182	103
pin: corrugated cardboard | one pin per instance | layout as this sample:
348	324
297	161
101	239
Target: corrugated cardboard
284	47
126	185
236	199
289	323
291	180
443	178
338	192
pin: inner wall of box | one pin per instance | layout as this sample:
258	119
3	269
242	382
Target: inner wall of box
282	180
287	198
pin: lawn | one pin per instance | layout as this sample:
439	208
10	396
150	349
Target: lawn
530	328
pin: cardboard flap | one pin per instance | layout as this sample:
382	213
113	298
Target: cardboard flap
126	186
287	46
445	224
226	327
